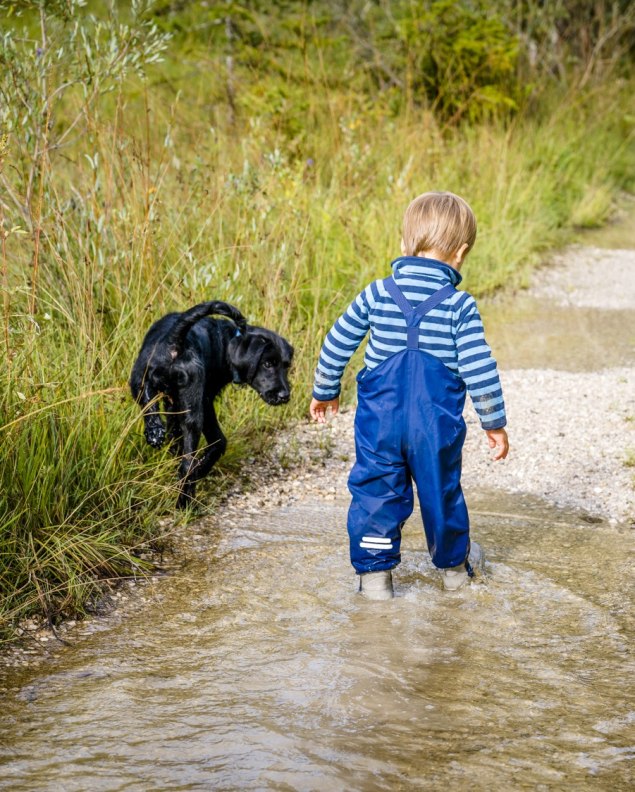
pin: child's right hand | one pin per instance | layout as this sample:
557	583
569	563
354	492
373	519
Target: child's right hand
497	438
318	409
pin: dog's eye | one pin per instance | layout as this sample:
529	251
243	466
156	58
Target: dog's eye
268	364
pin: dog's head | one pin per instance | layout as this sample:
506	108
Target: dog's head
261	358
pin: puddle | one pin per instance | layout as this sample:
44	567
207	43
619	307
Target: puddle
261	669
530	333
527	333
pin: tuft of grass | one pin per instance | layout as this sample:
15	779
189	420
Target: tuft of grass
593	208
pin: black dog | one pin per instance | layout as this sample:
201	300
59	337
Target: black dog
188	358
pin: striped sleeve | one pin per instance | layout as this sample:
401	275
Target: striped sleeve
477	367
339	345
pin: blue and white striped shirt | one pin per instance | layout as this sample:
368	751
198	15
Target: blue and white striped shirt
452	332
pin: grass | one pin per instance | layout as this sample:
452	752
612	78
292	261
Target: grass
162	215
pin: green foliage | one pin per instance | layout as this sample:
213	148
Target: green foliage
267	162
466	60
73	486
458	58
50	85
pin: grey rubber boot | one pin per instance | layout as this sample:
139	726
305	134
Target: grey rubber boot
456	577
475	556
376	585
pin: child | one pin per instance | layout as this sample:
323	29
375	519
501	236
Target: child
426	346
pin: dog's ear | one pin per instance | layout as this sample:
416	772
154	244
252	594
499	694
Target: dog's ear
288	349
244	352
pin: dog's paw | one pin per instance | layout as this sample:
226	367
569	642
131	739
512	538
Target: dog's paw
184	501
155	436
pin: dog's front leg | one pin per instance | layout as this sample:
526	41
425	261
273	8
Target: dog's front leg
175	434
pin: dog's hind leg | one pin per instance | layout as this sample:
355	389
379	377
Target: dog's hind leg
216	442
191	429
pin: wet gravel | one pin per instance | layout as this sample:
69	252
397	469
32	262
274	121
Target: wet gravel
588	277
569	439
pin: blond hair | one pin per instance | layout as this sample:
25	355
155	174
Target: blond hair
440	221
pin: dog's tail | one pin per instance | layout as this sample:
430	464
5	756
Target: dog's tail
181	327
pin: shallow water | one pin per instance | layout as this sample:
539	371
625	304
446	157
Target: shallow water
261	669
258	667
527	333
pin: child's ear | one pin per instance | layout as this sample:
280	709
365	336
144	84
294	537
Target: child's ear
403	247
461	253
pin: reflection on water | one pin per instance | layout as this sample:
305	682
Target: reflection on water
261	669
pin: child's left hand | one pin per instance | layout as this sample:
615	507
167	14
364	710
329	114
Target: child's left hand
497	438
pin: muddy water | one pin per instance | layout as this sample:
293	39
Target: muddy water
260	669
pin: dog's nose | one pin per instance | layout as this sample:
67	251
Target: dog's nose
282	396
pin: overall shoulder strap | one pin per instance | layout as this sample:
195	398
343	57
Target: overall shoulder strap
433	300
426	305
415	315
397	295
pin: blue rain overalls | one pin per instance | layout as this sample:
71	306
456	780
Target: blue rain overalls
409	425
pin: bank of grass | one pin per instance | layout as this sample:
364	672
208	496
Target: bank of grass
182	211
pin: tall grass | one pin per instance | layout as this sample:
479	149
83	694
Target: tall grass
154	209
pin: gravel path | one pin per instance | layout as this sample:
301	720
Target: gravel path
589	277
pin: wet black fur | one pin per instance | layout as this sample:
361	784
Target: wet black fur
188	358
